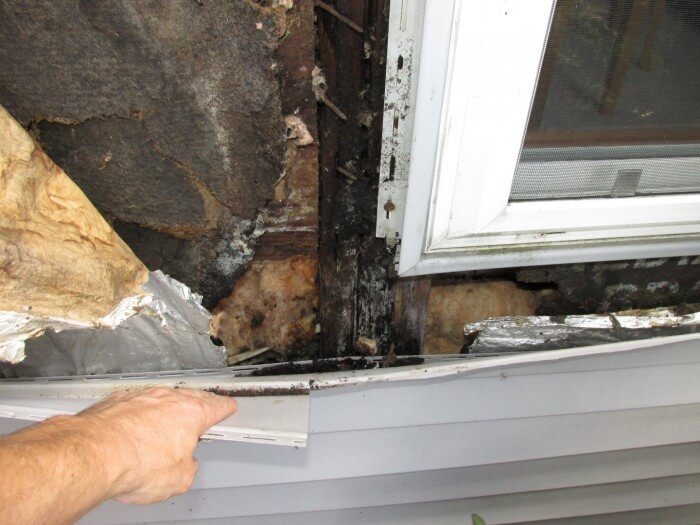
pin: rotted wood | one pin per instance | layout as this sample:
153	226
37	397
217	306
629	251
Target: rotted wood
292	217
356	291
339	16
412	297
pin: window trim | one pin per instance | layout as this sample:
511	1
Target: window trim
483	230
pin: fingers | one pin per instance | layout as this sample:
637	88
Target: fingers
156	433
212	407
215	409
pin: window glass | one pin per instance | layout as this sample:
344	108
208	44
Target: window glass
616	112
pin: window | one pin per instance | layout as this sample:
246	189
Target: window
541	132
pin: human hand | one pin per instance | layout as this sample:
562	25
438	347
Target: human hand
147	439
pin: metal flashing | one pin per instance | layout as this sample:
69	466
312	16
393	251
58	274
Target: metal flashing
275	409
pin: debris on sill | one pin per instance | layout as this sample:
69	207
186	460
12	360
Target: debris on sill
523	333
367	346
335	365
249	357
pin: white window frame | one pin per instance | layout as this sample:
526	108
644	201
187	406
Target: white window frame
478	68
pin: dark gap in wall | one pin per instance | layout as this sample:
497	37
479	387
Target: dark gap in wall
356	291
536	287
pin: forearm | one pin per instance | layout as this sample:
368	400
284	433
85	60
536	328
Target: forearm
55	472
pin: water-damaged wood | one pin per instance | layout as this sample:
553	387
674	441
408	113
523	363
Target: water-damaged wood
356	291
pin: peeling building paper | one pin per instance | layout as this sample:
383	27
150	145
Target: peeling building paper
165	328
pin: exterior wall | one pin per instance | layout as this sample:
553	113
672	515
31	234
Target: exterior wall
175	135
202	148
191	125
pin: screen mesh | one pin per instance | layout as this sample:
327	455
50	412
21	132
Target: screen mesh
616	112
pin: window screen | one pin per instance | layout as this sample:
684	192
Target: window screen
616	112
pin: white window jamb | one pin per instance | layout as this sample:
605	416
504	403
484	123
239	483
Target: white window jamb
474	94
